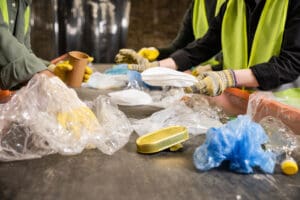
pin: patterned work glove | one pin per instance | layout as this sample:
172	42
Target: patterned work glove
201	69
213	83
135	61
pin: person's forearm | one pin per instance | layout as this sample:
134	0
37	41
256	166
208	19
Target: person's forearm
17	64
245	78
168	63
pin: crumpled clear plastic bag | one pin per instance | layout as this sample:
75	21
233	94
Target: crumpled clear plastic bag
282	141
46	117
116	125
197	121
239	142
166	97
262	104
105	81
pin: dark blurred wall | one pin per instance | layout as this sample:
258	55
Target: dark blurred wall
152	23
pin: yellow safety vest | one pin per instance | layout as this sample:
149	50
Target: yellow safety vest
5	15
267	39
200	22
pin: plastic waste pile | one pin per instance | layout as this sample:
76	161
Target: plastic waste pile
197	120
46	117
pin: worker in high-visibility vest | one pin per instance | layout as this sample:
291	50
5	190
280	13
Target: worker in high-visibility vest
260	42
194	26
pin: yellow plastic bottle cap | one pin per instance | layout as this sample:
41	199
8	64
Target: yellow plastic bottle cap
165	138
289	166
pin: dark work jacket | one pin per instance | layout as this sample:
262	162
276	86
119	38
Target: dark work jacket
185	34
279	70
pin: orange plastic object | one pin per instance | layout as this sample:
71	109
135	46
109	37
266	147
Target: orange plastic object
287	114
233	101
243	94
5	95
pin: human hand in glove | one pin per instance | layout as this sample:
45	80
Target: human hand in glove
77	120
213	83
150	53
201	69
135	61
61	69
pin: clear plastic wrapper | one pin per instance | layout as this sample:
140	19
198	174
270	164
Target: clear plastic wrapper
196	120
167	96
262	104
239	142
282	141
105	81
116	125
47	117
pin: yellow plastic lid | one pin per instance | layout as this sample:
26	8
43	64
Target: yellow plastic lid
162	139
289	167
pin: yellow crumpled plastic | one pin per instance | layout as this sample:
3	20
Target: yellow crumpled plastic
78	120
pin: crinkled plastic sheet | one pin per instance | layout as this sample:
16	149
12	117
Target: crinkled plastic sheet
198	119
282	141
105	81
31	123
262	104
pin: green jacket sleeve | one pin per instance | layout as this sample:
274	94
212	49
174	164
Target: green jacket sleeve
17	63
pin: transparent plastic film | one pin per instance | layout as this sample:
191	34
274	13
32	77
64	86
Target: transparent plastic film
47	117
198	119
262	104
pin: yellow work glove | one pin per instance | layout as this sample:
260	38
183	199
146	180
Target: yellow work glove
201	69
134	60
150	53
63	67
213	83
77	120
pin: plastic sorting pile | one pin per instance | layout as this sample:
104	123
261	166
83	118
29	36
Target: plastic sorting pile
197	117
250	145
46	117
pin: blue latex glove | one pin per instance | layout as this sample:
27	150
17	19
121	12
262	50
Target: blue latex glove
117	69
239	142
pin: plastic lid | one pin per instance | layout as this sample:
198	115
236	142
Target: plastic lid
162	139
289	167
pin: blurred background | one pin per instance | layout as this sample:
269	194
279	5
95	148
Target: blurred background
101	27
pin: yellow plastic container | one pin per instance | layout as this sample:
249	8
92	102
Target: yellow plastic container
162	139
